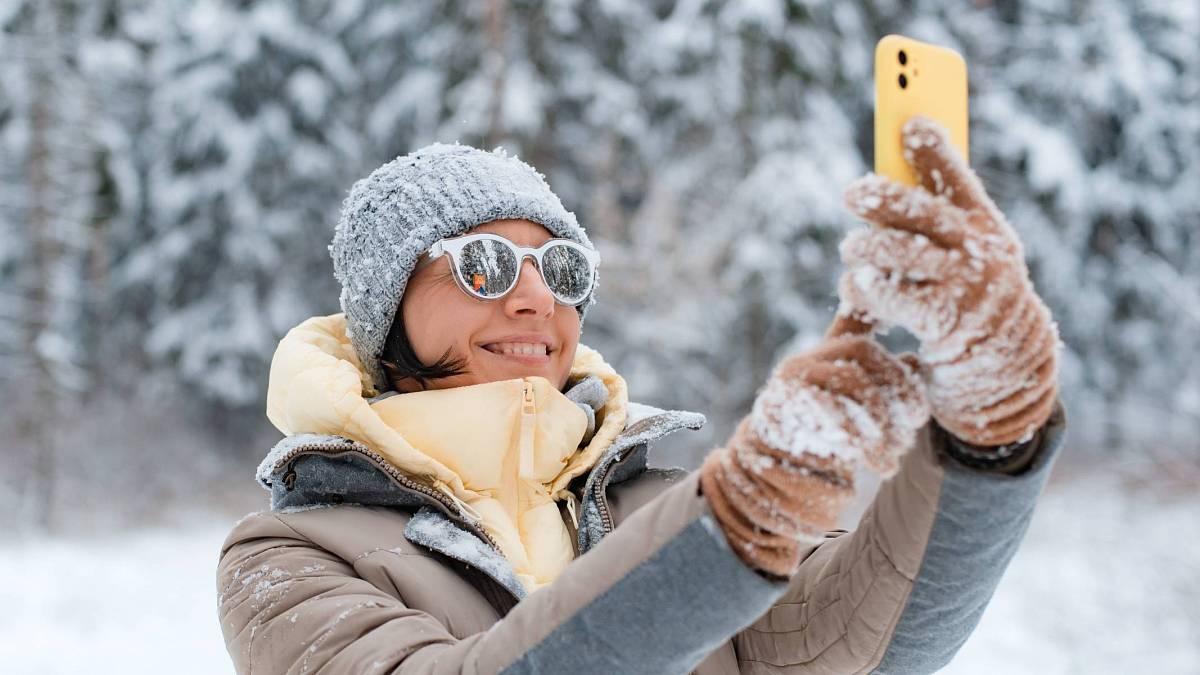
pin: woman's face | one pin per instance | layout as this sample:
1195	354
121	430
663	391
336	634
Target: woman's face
439	316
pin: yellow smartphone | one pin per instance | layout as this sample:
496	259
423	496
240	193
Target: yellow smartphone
916	78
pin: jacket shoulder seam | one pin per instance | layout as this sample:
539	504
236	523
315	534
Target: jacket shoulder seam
289	526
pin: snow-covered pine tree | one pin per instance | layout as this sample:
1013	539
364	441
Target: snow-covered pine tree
253	143
47	130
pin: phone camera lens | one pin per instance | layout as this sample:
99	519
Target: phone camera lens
903	81
903	57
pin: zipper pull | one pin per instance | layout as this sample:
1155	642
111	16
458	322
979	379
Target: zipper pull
289	478
525	463
570	500
528	397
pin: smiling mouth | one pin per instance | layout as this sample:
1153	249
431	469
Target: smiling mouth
530	348
525	353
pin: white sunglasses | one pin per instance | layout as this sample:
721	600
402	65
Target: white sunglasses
487	266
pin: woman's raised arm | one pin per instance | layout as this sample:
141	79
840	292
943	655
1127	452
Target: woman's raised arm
656	595
905	590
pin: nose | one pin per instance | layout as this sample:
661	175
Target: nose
531	297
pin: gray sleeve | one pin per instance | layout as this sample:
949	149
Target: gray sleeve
981	518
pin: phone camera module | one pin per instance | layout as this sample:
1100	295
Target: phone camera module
903	81
903	57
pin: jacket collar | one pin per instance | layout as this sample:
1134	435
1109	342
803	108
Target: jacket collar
313	471
318	386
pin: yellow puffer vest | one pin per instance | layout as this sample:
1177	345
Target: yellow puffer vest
504	450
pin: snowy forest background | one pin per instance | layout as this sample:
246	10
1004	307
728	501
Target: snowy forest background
170	173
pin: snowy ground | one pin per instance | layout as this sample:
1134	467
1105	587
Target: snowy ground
1106	582
136	603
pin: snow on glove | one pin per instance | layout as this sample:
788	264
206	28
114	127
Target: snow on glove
945	264
788	470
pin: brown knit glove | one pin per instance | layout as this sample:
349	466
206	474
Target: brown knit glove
943	263
788	471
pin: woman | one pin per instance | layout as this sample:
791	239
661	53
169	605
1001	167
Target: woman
463	485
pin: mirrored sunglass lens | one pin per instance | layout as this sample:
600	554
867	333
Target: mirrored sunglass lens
488	267
567	273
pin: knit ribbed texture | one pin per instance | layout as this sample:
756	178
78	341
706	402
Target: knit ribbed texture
394	215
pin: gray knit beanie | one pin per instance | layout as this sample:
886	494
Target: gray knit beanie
394	215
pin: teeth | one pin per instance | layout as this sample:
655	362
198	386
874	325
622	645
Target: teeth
534	348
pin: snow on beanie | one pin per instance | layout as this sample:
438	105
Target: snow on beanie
394	215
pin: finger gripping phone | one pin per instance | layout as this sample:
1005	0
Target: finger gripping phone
916	78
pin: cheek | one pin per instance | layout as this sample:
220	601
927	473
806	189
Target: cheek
438	321
568	335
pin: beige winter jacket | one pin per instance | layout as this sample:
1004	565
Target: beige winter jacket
358	568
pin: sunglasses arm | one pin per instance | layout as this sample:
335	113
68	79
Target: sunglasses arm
436	251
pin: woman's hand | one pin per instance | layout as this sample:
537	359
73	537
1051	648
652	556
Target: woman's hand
944	264
788	471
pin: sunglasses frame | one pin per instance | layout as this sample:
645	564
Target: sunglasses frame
454	246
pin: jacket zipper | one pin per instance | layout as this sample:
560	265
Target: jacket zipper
600	492
384	465
603	501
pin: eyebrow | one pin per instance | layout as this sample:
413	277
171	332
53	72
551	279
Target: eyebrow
523	243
